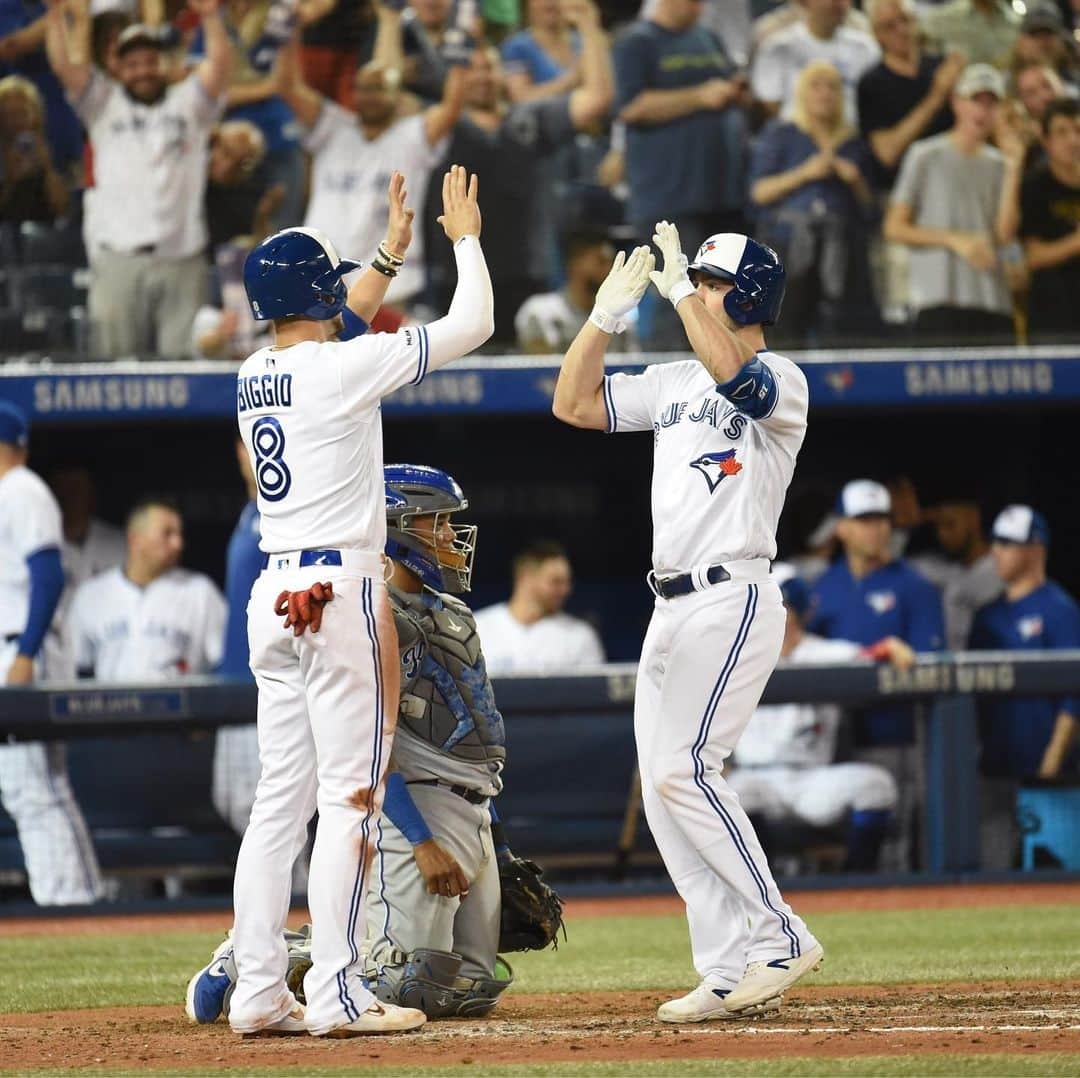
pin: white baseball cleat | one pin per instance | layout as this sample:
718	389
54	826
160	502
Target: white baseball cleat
763	980
289	1026
380	1018
706	1004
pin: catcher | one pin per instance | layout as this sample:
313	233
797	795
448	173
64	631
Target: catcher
446	893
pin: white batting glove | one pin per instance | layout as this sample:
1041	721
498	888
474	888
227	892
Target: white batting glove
672	281
622	289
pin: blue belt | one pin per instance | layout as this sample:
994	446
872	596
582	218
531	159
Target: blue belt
311	557
671	587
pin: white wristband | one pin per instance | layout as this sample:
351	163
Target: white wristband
680	290
606	322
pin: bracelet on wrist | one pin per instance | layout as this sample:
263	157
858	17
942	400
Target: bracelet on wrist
390	259
380	266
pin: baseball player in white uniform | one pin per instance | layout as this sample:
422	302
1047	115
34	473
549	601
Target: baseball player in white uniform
309	414
61	866
784	763
148	620
726	428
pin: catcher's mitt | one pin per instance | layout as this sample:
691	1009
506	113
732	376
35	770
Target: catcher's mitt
531	910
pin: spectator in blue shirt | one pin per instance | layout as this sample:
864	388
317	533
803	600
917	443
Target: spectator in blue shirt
1021	737
810	180
866	595
542	59
682	100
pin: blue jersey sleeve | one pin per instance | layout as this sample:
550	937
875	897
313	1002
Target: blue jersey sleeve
243	564
46	584
1063	631
400	809
926	617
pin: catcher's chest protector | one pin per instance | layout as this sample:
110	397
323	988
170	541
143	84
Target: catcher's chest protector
446	696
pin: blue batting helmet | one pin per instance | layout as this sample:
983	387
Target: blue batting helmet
755	271
441	561
296	272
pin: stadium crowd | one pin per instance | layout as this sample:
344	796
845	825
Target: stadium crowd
916	166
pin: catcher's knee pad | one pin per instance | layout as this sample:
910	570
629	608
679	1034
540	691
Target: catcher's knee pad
299	944
426	981
477	996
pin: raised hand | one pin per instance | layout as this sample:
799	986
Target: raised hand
625	284
461	212
673	272
399	226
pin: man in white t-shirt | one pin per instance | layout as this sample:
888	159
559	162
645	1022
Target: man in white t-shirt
148	620
354	153
821	34
529	634
145	226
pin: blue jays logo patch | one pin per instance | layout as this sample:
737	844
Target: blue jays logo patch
1030	627
716	467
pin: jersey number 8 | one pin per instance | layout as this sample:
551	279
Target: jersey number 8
272	476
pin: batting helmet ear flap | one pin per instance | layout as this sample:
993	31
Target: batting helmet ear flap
759	286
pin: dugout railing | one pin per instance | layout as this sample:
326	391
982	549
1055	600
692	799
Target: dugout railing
141	755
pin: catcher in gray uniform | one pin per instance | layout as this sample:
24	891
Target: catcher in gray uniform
446	894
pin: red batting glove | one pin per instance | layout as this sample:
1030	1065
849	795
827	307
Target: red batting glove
304	609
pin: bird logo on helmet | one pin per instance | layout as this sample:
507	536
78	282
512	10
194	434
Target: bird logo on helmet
754	270
296	272
419	533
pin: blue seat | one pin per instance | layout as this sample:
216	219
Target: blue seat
1049	818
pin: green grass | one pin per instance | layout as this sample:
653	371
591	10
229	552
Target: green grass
614	953
1043	1065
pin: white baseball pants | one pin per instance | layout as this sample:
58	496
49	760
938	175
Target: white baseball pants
61	866
704	664
327	709
819	796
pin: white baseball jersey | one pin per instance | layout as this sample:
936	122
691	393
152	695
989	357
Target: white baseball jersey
29	522
150	166
310	418
349	177
719	477
558	642
173	626
796	735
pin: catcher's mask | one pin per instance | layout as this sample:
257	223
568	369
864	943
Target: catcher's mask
419	533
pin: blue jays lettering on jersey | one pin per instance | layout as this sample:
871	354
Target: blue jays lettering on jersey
891	601
243	563
1013	730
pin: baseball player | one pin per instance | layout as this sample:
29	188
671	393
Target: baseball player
236	748
726	429
61	866
309	415
148	620
433	911
784	765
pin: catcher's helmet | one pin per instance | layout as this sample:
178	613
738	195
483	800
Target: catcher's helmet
441	562
296	272
755	271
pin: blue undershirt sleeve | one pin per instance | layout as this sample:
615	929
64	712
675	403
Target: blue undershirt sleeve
401	810
46	584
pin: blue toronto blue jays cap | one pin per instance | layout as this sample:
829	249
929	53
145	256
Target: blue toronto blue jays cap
1020	524
14	425
863	498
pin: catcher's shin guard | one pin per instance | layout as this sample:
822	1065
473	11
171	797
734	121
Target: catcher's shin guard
476	997
425	980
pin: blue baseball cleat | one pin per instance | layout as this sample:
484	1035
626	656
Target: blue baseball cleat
207	990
